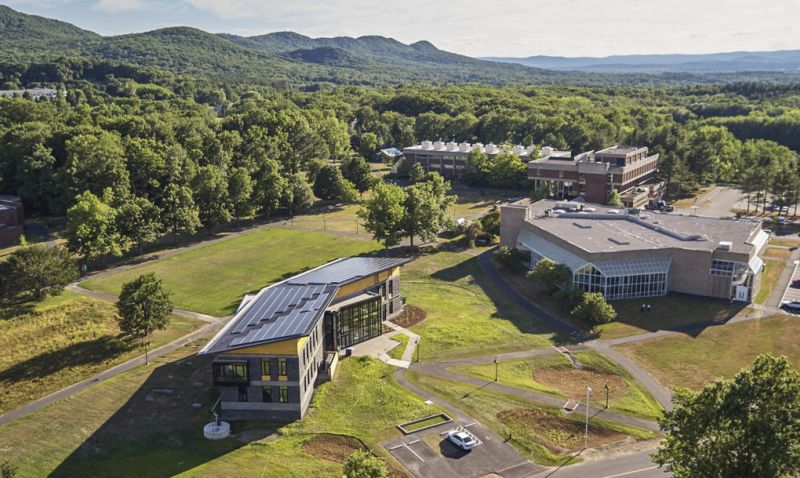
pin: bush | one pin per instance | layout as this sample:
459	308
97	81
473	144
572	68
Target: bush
511	258
569	295
491	224
363	464
593	309
549	274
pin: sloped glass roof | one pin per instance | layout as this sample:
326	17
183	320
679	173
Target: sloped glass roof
655	265
549	250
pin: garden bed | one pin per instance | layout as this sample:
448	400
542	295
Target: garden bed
558	434
335	448
424	423
411	316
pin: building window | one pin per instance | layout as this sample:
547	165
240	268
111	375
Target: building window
391	307
242	393
284	395
360	322
265	369
391	287
266	393
726	268
282	367
231	373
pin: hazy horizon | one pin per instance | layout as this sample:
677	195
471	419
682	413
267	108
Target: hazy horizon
468	27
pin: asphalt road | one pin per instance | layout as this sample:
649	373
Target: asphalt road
635	465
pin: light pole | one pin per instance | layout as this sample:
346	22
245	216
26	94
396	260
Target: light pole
606	396
495	369
586	433
417	342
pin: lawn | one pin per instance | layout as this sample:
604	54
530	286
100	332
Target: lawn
685	361
123	434
772	272
787	241
397	352
212	278
541	433
554	375
667	312
466	314
64	340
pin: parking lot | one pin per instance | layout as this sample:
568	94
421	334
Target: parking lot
430	454
792	293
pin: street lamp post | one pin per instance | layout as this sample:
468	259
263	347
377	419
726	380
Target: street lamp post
495	369
586	433
417	342
606	395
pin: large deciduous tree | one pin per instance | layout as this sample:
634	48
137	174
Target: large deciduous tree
426	208
357	171
139	221
91	227
550	275
179	211
34	272
748	425
383	213
144	306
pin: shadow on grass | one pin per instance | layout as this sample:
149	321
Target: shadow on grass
12	311
88	352
158	432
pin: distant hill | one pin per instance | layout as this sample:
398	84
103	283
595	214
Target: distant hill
283	57
774	61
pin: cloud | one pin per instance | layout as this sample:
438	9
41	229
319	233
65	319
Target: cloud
115	6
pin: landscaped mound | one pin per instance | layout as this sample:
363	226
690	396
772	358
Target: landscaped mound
572	382
558	434
411	316
335	448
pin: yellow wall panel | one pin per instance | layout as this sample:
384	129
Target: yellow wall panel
284	347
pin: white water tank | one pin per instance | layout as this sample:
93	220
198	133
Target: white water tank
464	147
427	145
451	146
518	149
438	146
491	148
477	147
546	151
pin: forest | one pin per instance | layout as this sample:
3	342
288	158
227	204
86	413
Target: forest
128	154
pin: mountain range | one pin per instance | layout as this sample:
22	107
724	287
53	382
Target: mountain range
765	61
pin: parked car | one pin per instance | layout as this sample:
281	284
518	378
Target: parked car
796	283
660	206
462	439
793	305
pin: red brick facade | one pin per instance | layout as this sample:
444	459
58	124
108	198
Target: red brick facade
12	219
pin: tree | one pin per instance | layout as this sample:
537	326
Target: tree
299	194
593	309
139	221
357	171
472	231
416	173
543	191
713	153
476	167
240	190
211	195
270	185
37	271
426	207
91	227
549	274
348	194
328	182
179	212
490	223
368	145
144	306
95	162
614	199
742	426
383	213
508	171
363	464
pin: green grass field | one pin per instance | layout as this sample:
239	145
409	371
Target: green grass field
397	352
772	272
488	406
123	435
64	340
685	361
628	395
467	315
212	279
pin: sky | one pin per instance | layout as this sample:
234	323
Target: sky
470	27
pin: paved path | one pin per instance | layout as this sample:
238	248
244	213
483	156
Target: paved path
779	290
630	465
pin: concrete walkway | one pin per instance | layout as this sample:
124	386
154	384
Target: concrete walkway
779	290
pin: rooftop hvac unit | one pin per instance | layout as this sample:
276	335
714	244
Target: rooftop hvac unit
451	146
546	151
438	145
491	148
427	145
518	149
464	147
724	245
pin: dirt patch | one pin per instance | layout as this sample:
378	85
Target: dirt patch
411	316
558	434
778	253
335	448
572	382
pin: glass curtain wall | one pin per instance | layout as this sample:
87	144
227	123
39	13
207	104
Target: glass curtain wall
359	322
621	286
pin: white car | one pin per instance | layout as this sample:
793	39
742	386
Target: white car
793	305
461	439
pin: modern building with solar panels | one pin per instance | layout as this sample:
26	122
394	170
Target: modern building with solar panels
284	340
632	253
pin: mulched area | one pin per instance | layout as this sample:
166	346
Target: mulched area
572	382
558	434
335	448
411	316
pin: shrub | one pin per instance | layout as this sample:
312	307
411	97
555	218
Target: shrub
36	272
594	309
363	464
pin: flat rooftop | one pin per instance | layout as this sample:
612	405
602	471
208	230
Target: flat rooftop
597	228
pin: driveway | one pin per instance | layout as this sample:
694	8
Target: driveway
428	454
717	203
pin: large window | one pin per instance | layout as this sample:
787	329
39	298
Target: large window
727	268
535	258
282	367
265	368
242	393
359	322
284	395
228	373
624	280
266	393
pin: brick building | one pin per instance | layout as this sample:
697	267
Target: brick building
12	220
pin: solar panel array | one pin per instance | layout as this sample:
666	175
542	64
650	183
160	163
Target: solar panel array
345	270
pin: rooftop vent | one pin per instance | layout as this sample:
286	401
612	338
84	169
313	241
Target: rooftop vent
724	245
582	226
619	242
